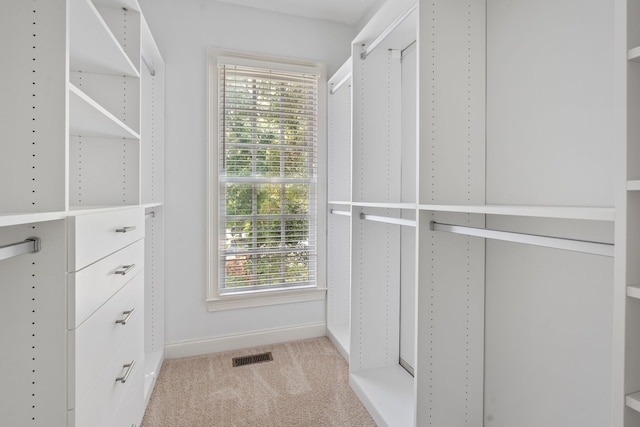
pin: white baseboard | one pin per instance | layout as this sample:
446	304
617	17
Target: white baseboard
235	342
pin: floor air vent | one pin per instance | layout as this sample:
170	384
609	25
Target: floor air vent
254	358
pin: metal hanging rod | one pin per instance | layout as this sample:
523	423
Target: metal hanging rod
574	245
367	51
152	70
388	220
343	213
151	214
335	87
30	245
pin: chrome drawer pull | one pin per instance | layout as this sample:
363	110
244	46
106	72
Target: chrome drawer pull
123	379
126	269
127	316
125	229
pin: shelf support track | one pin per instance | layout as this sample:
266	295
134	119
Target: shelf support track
574	245
30	245
388	220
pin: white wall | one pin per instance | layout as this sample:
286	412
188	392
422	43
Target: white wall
183	30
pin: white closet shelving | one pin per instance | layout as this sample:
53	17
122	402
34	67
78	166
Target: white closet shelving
627	304
83	135
513	328
383	213
339	195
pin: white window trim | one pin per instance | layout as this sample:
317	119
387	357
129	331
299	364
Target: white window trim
215	300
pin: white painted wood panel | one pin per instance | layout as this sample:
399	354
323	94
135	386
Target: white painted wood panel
98	406
92	286
32	113
548	335
33	333
92	344
94	236
451	301
550	94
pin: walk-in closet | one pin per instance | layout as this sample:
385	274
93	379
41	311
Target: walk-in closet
465	230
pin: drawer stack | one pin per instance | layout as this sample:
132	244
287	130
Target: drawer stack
106	318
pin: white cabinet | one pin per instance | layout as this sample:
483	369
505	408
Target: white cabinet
82	170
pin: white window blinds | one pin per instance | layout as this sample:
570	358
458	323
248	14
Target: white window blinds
268	178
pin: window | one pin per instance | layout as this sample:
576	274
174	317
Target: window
265	133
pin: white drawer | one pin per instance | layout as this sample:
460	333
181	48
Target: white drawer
96	340
98	406
94	236
131	409
90	287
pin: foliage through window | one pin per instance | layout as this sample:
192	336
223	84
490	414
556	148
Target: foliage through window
267	136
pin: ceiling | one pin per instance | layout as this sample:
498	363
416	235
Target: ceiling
343	11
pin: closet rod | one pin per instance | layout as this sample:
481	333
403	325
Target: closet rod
30	245
343	213
366	52
388	220
151	214
584	246
334	88
152	70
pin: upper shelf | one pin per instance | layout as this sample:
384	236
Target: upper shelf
384	205
561	212
88	118
93	47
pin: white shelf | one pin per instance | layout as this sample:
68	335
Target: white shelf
8	219
634	54
88	118
633	401
384	205
388	395
633	291
93	47
339	202
633	185
561	212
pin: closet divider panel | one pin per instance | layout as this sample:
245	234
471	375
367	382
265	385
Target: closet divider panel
152	131
375	291
408	195
451	169
376	127
630	416
450	324
339	279
33	333
33	107
452	102
339	124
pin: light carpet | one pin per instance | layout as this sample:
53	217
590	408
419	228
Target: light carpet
306	384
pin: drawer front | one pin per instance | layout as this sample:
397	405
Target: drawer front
131	409
94	236
99	405
96	340
91	287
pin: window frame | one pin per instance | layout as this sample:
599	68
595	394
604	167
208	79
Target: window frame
255	298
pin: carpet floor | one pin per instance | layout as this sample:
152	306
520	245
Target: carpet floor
306	385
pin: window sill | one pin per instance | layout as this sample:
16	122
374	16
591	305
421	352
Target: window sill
265	298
